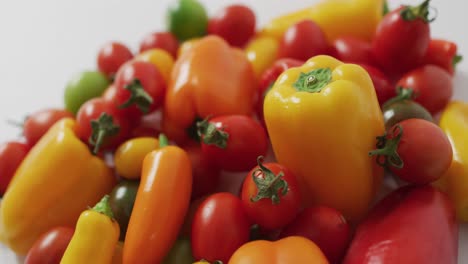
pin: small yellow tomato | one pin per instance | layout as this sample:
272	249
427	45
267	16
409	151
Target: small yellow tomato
186	45
159	58
262	52
129	156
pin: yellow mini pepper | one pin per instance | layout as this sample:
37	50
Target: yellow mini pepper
262	52
358	18
323	119
454	122
58	179
95	238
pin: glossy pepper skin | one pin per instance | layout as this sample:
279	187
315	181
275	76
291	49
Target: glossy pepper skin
323	119
161	203
293	249
210	78
454	123
59	177
410	225
95	238
262	51
357	18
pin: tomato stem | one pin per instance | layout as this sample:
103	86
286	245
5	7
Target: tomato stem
102	128
270	185
457	59
313	81
410	13
387	146
103	207
163	141
211	135
138	97
403	94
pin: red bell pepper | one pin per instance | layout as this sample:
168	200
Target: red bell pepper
442	53
411	225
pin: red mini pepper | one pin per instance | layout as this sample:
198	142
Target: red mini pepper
411	225
442	53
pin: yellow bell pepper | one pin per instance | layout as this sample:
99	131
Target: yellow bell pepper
454	122
358	18
95	238
323	119
262	52
58	179
159	58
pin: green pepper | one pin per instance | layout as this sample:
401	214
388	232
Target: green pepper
82	87
181	252
187	19
121	201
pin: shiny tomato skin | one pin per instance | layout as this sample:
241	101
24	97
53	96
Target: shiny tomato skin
265	213
49	248
11	155
302	41
111	56
234	23
220	226
353	50
37	123
205	173
383	86
160	40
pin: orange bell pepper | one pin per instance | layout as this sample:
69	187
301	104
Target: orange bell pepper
210	78
55	183
293	249
161	203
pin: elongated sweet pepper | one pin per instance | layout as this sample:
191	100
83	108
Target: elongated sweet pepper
410	225
293	249
454	122
95	238
323	119
57	180
161	203
357	18
210	78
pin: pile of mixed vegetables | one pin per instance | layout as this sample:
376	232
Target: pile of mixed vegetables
305	117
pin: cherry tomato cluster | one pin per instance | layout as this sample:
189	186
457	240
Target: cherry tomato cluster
118	107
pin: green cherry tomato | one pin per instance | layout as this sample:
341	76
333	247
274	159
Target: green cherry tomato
187	19
402	110
181	252
82	87
121	201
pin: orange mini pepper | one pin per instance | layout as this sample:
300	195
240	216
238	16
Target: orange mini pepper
293	249
161	203
210	78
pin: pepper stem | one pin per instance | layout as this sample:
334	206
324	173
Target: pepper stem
270	185
386	9
387	146
402	95
103	207
102	128
457	59
163	141
138	97
410	13
313	81
211	135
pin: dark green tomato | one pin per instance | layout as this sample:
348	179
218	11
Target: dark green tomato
82	87
121	201
187	19
181	252
402	110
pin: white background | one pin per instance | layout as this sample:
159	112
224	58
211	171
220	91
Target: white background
43	43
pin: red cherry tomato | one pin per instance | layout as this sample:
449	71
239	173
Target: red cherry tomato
111	56
140	88
270	194
11	155
205	173
302	41
442	53
353	50
116	130
402	38
432	85
234	142
160	40
220	226
186	229
234	23
49	248
326	227
37	124
382	84
415	150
